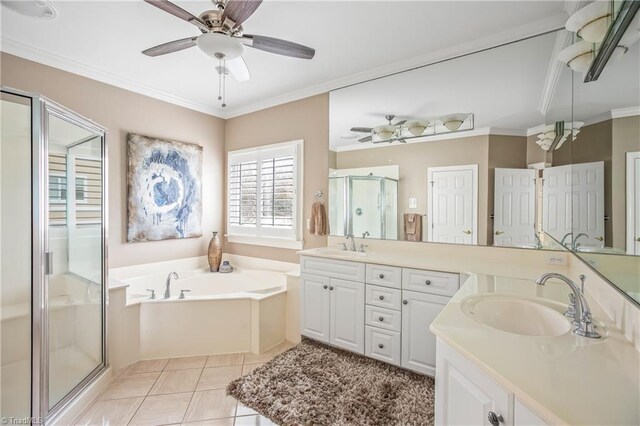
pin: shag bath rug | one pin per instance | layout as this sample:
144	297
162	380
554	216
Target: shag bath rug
314	384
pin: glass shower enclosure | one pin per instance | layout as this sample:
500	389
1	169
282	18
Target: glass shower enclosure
363	206
53	255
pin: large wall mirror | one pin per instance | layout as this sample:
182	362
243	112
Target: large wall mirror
453	152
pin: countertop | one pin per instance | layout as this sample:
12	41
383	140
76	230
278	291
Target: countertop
565	379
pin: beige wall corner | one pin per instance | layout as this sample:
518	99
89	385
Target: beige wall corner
121	111
306	119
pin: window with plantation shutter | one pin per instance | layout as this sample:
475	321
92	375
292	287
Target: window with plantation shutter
264	195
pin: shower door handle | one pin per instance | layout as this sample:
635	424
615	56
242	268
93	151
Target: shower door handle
48	263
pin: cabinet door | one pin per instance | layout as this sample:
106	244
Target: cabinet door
314	307
465	395
418	343
347	315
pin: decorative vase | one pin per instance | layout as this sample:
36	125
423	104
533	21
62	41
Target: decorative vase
214	254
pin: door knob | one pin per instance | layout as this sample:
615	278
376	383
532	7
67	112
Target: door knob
404	302
468	232
381	346
499	232
638	239
381	276
600	238
495	419
330	288
381	319
325	286
381	297
428	282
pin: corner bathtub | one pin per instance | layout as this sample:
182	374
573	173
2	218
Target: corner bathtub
241	311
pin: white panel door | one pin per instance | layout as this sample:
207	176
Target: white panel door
418	343
452	210
556	201
514	207
315	307
588	203
347	315
633	203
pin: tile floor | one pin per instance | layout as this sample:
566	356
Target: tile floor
179	391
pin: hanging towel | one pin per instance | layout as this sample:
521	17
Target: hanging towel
412	227
318	222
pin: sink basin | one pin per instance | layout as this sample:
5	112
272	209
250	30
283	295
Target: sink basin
605	250
341	253
516	315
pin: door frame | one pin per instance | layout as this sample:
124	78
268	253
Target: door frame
474	198
630	230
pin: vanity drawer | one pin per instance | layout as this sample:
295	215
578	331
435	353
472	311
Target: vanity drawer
383	297
387	276
383	318
382	344
351	271
442	283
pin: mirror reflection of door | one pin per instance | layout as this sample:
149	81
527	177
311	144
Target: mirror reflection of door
514	208
633	203
587	181
452	210
556	202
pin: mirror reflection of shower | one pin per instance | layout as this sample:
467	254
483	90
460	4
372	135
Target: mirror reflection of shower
364	202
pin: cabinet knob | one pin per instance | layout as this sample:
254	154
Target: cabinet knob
381	346
380	319
381	276
325	286
428	282
381	297
495	419
330	288
404	302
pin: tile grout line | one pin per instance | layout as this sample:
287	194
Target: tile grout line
194	392
147	394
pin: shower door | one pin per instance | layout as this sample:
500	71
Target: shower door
72	326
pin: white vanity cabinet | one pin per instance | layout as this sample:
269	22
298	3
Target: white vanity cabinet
465	395
381	311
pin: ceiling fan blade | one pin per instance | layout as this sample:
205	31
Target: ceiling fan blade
362	129
238	68
171	8
400	123
240	10
278	46
365	139
170	47
402	140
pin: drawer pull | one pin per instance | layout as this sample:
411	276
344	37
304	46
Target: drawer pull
381	276
428	282
380	319
381	297
404	302
330	288
495	419
325	286
381	346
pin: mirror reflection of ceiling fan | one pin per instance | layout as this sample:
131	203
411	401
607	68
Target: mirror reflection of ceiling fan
402	130
223	37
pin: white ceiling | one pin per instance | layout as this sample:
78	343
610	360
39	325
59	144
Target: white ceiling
353	41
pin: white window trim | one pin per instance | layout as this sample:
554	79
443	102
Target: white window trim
256	153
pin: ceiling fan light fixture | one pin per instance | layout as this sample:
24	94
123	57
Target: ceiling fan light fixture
384	132
578	56
215	44
416	128
591	22
39	9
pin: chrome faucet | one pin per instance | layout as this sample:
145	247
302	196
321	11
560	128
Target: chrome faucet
365	234
563	242
352	242
167	288
575	244
583	324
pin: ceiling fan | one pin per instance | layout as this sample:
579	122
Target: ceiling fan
387	132
223	37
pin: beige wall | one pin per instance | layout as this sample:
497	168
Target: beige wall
626	138
121	112
306	119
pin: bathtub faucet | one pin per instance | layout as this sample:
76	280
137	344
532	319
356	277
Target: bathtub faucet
167	289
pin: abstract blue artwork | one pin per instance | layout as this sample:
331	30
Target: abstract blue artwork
164	181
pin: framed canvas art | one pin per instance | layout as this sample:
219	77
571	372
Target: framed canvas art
164	181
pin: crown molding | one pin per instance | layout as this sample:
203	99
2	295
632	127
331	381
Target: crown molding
625	112
30	53
531	29
607	115
484	131
563	38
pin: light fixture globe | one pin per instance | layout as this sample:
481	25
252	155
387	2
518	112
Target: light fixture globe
40	9
385	132
591	22
216	44
416	128
578	56
453	121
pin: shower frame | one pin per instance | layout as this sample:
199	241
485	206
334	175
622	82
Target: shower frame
41	257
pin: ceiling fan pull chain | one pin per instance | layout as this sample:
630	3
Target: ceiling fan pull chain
219	79
224	83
